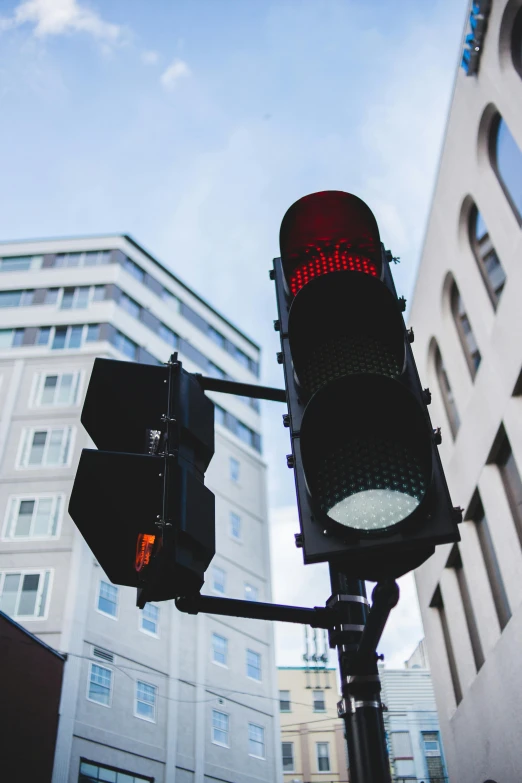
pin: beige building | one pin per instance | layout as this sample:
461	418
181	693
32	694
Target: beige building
312	736
467	317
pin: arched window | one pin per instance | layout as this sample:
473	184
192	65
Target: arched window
507	162
516	42
488	262
445	390
467	338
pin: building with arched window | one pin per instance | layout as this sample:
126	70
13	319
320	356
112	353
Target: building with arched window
467	317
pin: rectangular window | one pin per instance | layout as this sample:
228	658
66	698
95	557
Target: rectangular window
48	447
287	749
76	297
34	517
16	298
455	562
251	592
437	603
92	772
219	649
218	580
108	599
100	685
23	594
11	338
20	263
125	345
256	741
58	389
235	525
168	335
253	665
284	701
149	619
318	701
220	723
43	336
129	305
401	744
323	756
216	336
134	270
234	469
145	701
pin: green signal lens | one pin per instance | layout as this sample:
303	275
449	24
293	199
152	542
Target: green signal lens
370	484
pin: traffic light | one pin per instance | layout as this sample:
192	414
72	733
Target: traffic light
370	486
140	501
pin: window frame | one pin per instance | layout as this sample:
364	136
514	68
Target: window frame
222	570
327	757
480	256
39	379
111	686
154	634
289	700
259	656
26	442
212	728
14	501
234	469
459	314
314	700
287	769
255	589
213	648
449	402
263	742
155	704
233	516
97	604
41	585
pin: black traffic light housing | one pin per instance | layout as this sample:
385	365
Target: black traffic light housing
370	486
140	501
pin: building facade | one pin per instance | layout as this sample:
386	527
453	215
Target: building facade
467	318
313	746
154	695
411	722
31	676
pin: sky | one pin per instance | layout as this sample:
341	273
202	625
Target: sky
193	125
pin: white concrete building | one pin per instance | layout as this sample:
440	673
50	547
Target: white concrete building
154	695
467	317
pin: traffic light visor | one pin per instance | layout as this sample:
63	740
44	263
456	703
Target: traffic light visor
366	450
344	325
325	232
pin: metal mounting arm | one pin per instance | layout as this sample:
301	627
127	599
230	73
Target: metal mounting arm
241	389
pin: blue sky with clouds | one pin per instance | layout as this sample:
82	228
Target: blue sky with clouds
194	124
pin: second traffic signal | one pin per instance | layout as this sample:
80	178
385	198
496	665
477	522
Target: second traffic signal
139	500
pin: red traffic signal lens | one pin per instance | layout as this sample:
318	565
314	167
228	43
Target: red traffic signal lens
144	549
325	257
330	231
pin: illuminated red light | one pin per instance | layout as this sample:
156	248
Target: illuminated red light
144	547
324	258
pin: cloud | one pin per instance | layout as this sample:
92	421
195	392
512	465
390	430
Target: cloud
149	58
58	17
176	70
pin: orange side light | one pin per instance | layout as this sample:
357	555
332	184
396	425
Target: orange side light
144	547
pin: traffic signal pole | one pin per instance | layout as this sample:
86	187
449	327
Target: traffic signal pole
360	706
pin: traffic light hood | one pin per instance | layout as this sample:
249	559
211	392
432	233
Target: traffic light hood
344	324
366	453
327	232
